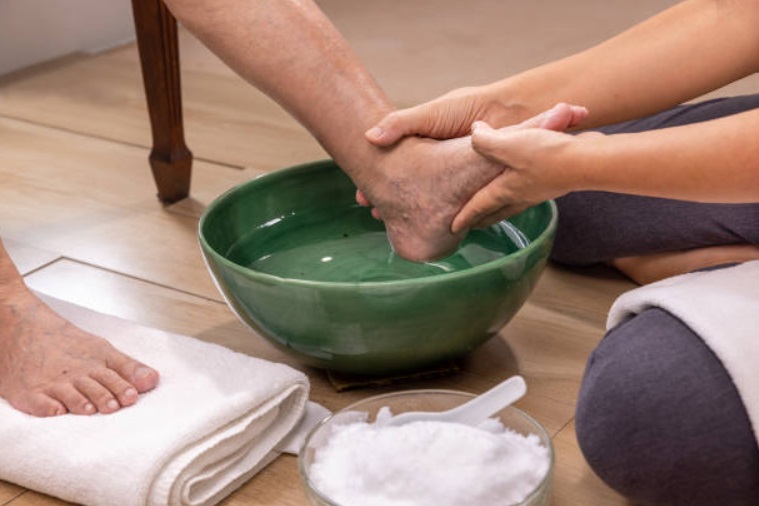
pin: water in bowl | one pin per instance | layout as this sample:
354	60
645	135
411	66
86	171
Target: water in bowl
352	247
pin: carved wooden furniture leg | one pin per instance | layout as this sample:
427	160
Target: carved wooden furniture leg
170	159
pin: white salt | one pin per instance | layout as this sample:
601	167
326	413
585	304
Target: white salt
428	463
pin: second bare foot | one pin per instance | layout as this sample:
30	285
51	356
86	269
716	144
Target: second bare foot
50	367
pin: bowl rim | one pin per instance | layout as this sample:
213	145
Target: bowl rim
543	432
439	278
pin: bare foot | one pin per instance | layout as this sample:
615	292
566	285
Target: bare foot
50	367
424	183
650	268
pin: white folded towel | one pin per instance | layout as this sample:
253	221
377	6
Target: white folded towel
214	420
722	307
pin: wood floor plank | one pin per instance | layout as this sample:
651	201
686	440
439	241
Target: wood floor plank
210	320
79	213
593	291
575	484
27	258
230	122
9	492
94	201
32	498
227	120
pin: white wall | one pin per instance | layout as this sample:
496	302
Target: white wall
33	31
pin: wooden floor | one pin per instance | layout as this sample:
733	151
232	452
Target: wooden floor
79	215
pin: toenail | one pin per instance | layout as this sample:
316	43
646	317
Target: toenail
89	408
112	404
130	393
142	373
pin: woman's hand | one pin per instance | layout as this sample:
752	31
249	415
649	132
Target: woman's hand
559	118
535	170
446	117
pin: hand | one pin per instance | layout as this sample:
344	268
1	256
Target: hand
419	186
533	160
560	117
445	117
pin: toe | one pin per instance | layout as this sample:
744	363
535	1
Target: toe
72	399
97	394
142	377
125	393
39	404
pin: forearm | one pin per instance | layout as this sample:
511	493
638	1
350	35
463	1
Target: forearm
716	161
292	52
688	50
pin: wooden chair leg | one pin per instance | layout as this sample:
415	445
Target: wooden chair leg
170	160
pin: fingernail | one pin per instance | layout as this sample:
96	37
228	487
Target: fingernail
375	132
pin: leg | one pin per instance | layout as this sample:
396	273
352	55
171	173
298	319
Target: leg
598	227
660	421
50	367
170	159
290	50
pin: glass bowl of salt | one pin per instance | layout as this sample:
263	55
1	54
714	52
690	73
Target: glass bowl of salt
354	458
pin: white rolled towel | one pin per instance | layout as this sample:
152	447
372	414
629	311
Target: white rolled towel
214	421
722	307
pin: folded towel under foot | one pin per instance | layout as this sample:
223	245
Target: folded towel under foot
215	420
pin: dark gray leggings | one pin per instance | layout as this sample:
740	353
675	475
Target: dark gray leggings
598	226
658	417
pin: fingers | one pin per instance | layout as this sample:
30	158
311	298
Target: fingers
498	216
560	117
361	199
488	141
395	126
499	145
489	199
481	205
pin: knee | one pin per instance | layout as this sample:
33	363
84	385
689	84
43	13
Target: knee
646	430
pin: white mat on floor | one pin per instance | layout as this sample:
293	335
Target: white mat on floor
214	421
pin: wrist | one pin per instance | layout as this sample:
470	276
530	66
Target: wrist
504	104
586	162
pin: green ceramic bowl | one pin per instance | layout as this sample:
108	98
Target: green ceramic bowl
311	271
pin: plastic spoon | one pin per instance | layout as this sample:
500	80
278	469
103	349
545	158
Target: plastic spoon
472	412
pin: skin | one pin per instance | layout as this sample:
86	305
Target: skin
50	367
293	53
613	80
559	118
289	50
